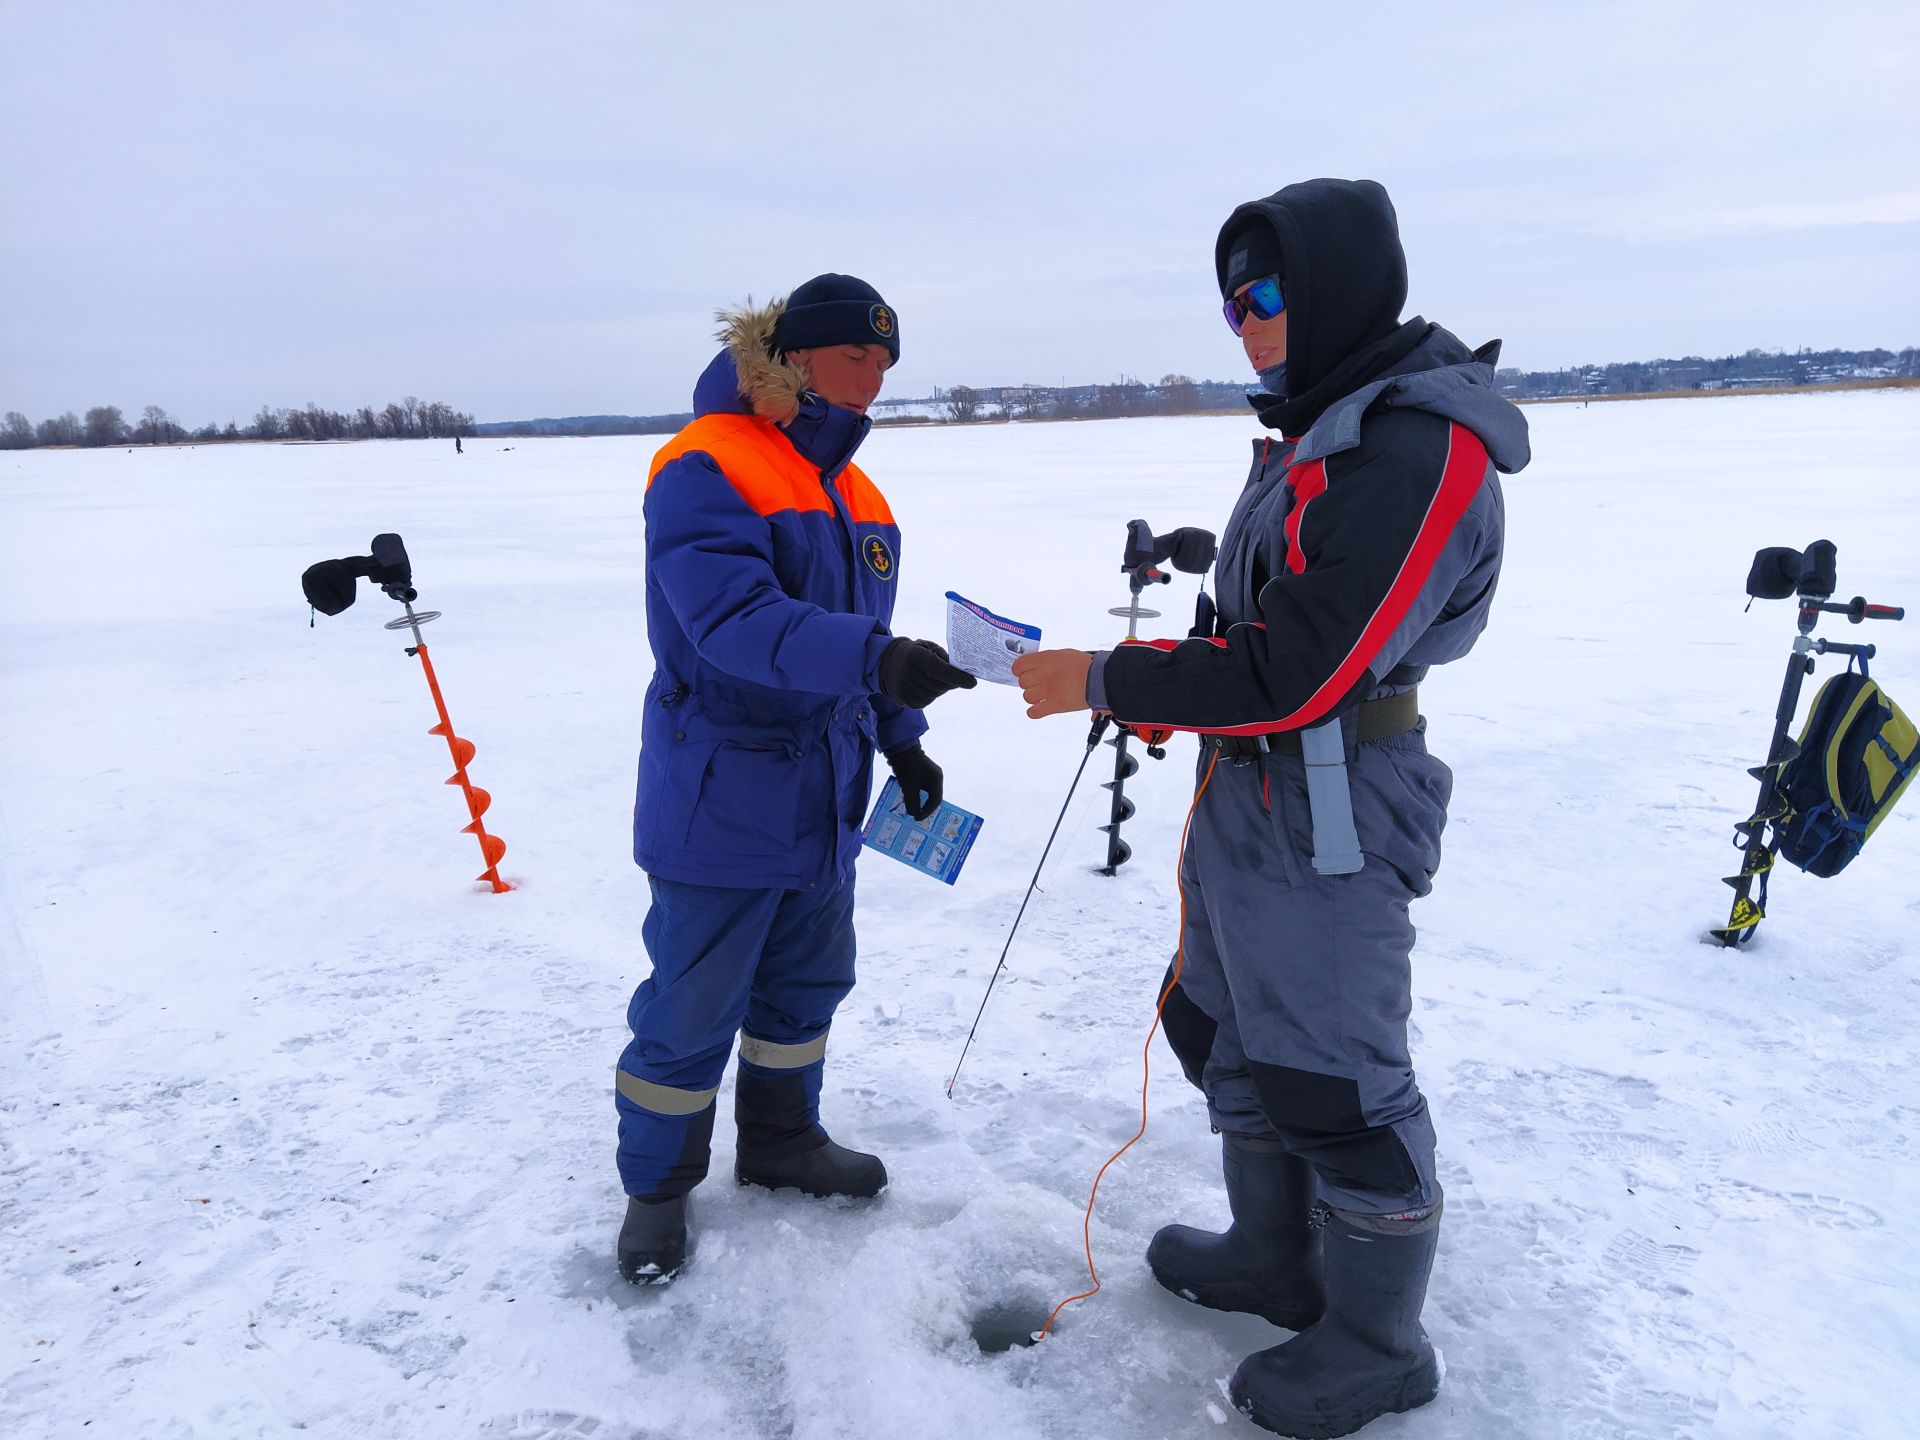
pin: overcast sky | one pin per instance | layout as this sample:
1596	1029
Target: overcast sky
533	209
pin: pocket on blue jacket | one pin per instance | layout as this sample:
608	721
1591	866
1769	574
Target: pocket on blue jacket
747	801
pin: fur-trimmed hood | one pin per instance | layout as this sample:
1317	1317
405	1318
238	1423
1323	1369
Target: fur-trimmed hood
746	378
760	382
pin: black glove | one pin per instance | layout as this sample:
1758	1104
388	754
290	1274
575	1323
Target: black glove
915	673
918	776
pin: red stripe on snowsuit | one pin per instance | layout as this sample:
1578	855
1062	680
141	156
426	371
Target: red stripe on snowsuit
1308	481
1460	479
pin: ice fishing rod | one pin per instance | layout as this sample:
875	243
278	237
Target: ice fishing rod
1100	724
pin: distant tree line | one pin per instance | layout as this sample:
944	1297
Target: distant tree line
1755	370
408	419
1182	395
590	425
1170	395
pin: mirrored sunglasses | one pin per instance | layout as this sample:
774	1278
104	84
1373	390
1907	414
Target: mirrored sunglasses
1262	300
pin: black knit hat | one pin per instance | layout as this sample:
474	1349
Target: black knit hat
1249	253
837	310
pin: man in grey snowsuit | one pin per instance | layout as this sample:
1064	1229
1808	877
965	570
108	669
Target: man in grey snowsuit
1363	551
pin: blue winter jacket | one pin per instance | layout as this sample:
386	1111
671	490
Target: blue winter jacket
772	563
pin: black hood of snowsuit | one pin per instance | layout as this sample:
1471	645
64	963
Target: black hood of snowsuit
1344	276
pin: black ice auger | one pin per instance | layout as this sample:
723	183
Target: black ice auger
1190	551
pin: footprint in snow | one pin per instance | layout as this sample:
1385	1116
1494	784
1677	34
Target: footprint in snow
1647	1259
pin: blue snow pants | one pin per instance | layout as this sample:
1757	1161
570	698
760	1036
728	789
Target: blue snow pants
1295	988
769	965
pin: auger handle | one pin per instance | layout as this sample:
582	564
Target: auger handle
1858	609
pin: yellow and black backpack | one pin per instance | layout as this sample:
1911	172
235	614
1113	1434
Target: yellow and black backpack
1857	754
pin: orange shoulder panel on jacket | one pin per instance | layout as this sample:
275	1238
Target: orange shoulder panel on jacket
865	504
762	467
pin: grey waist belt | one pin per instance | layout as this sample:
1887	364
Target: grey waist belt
1377	719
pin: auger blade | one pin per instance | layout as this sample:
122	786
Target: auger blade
1123	811
492	847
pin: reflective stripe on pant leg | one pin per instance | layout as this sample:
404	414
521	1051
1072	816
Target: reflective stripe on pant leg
776	1096
770	1055
662	1099
662	1155
805	972
705	943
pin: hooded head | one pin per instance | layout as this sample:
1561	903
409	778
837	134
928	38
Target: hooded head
1336	246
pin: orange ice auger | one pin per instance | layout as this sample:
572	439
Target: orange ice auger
329	588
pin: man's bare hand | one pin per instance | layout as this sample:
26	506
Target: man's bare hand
1054	682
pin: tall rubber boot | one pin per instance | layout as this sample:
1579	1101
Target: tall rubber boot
1267	1263
653	1240
782	1146
1368	1356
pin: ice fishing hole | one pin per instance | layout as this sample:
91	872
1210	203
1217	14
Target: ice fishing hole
1006	1326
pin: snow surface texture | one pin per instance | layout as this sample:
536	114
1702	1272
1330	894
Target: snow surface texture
302	1130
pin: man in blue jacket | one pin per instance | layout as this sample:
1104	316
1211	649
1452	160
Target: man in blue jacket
772	563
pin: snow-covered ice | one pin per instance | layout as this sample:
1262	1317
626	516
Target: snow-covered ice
302	1130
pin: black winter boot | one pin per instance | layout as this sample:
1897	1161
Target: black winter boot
782	1145
826	1170
1369	1356
1268	1262
653	1240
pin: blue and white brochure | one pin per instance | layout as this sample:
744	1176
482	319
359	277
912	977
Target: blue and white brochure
937	846
984	644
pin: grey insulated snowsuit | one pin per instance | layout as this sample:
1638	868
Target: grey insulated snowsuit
1358	556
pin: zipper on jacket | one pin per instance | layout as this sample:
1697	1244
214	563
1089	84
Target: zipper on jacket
852	541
